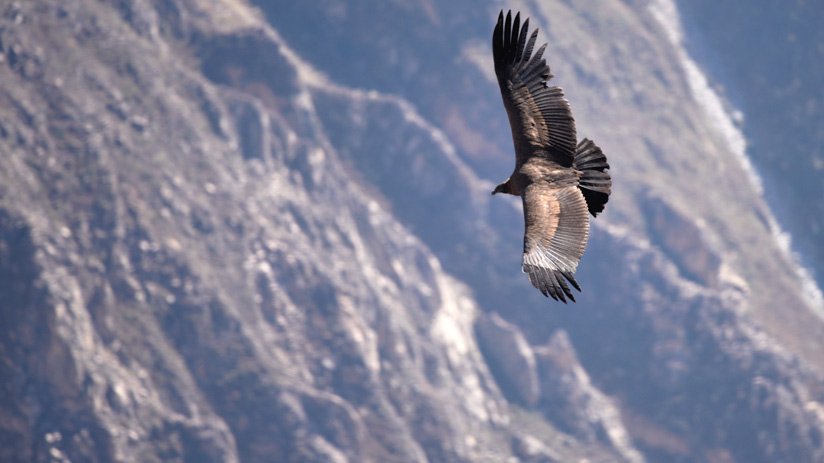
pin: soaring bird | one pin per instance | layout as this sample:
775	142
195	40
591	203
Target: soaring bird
559	180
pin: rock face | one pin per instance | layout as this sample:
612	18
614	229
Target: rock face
570	399
510	358
781	106
192	277
217	245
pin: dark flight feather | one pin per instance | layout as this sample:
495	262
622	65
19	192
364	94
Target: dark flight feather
596	183
526	94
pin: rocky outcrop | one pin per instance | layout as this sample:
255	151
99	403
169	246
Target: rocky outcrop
510	358
705	363
683	242
531	450
569	399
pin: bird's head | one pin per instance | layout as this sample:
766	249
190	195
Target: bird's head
502	188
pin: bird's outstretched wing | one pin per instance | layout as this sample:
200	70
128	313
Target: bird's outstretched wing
540	117
555	237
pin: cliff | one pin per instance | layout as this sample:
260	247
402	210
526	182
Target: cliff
248	233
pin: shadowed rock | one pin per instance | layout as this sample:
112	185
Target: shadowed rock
510	358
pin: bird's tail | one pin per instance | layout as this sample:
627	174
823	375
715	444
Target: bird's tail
595	181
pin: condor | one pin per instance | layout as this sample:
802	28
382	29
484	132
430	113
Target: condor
559	180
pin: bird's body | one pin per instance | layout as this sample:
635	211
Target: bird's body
560	181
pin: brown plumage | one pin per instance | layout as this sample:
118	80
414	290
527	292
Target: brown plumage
559	180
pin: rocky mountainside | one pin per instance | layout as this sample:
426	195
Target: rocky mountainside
780	96
240	233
